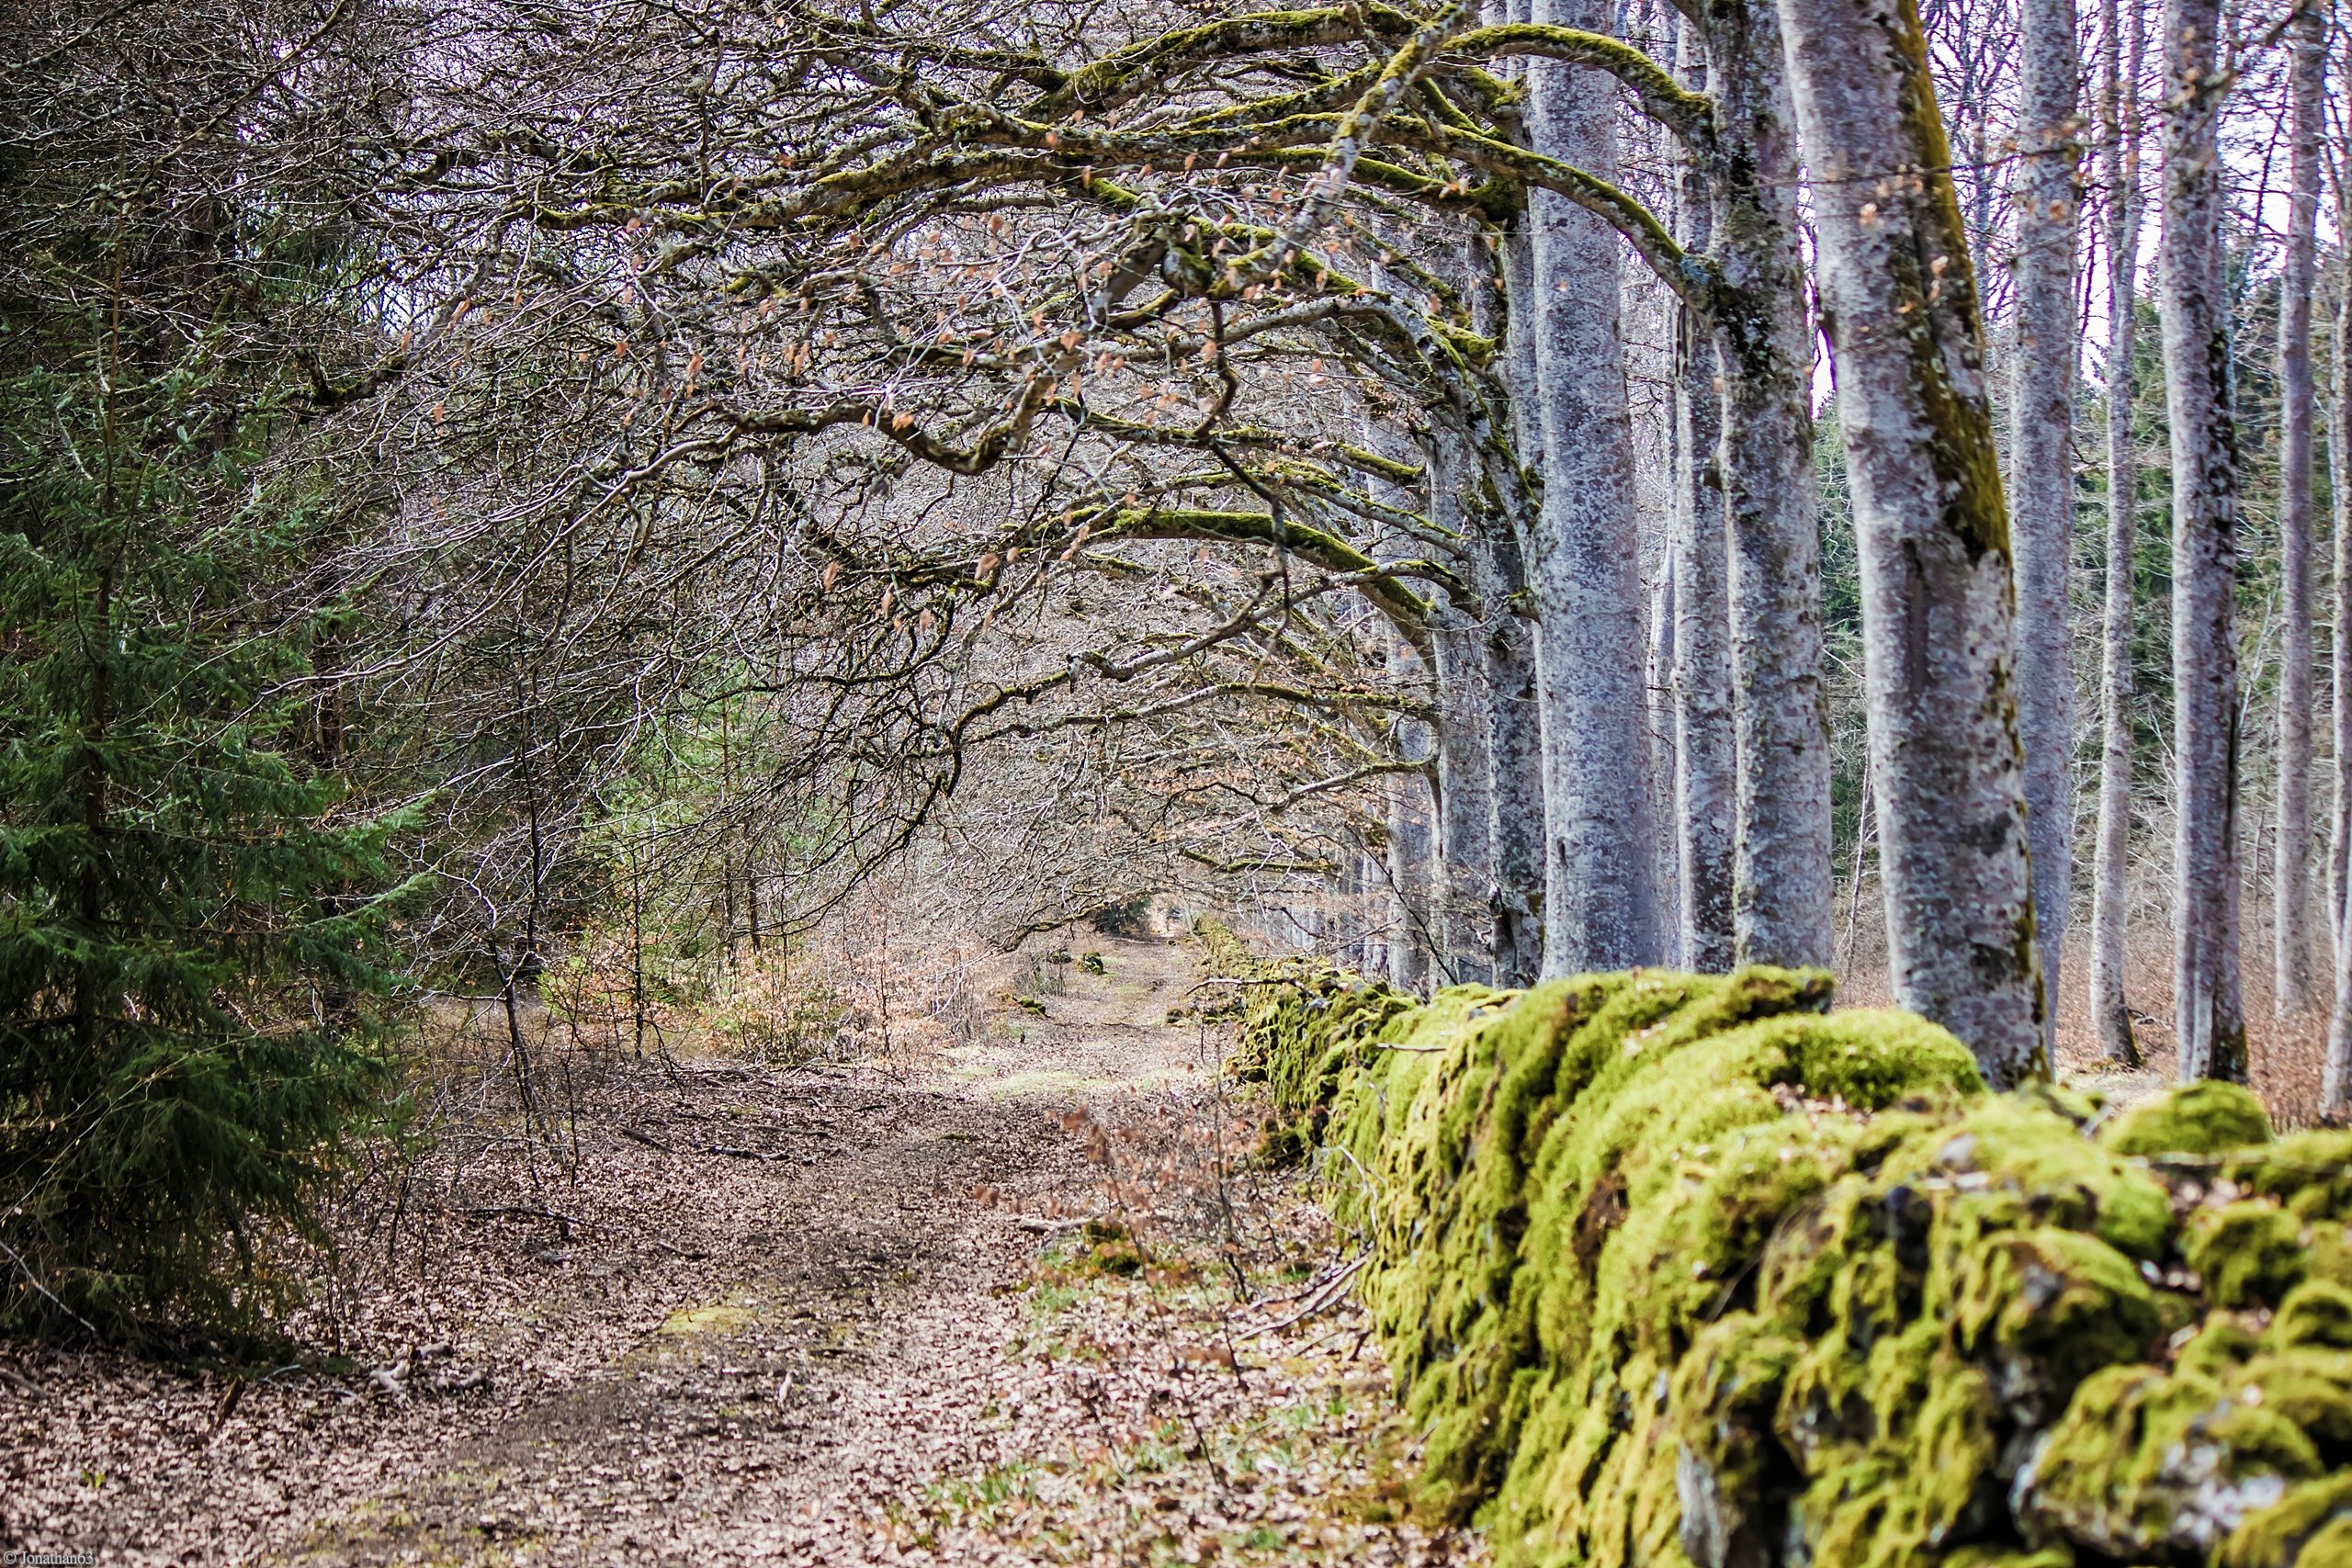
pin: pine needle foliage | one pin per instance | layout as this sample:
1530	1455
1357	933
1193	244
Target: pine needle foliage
191	927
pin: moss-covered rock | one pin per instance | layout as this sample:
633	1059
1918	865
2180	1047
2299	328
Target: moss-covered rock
2201	1118
1680	1269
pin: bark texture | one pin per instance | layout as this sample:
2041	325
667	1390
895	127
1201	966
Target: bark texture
1706	779
2209	1014
2046	196
2110	1013
1783	884
1706	756
2335	1078
1938	610
2339	469
1583	563
2290	885
1465	796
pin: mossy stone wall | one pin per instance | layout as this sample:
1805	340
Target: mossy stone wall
1679	1268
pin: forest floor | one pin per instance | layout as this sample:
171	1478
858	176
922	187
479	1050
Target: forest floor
766	1315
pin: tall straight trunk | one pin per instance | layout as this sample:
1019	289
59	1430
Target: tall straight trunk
2336	1076
1665	852
1938	605
1466	779
1601	902
1706	776
2046	196
1783	885
2290	885
2120	171
2193	300
1410	872
1513	663
1515	746
1464	873
2339	486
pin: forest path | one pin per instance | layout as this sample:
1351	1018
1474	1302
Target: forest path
766	1423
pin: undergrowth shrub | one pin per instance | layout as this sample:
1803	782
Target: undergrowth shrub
1680	1269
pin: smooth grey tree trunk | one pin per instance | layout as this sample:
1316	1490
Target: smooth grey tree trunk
2045	195
1520	831
2335	1075
1783	884
1582	556
2120	171
1938	605
1518	750
2290	883
1706	777
1411	869
1665	755
1465	778
1706	757
2191	282
2339	472
1515	746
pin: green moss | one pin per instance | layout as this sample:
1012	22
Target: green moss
2311	1525
2246	1251
1676	1269
2201	1118
2314	1313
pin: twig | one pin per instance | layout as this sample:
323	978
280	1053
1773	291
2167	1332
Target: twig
228	1407
527	1211
1325	1296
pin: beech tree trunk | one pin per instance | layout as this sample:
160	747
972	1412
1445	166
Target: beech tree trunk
2209	1014
1938	605
1781	882
2111	1014
1515	746
2335	1078
1600	900
1706	755
2290	884
1707	784
1411	859
1466	779
2045	195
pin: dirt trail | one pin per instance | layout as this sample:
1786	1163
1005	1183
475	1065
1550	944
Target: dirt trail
768	1317
762	1424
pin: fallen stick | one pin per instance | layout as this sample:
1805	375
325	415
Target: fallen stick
1329	1295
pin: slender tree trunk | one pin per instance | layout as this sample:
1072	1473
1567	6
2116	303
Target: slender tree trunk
1516	724
1515	745
1706	776
2336	1073
1464	864
2339	485
1938	606
2045	195
1783	892
1583	560
2111	1015
1412	871
2290	885
1465	770
2335	1078
2194	303
1666	752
